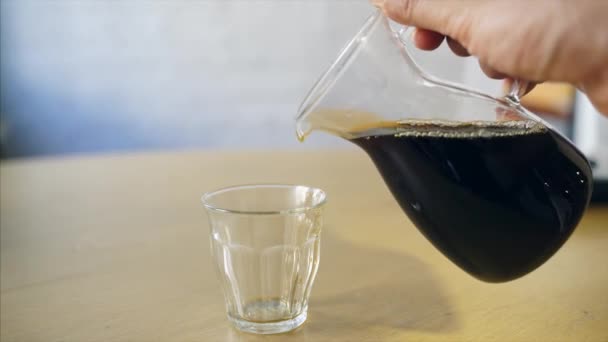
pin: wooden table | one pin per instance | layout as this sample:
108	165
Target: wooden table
115	248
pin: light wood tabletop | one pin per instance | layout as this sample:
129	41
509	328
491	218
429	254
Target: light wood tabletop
116	248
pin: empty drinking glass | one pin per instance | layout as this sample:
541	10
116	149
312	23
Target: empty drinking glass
265	246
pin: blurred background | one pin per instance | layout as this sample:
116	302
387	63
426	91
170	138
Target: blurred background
117	76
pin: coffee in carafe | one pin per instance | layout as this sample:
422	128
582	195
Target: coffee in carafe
492	186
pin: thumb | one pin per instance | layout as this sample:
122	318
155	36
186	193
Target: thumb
448	17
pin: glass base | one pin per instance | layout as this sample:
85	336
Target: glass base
271	327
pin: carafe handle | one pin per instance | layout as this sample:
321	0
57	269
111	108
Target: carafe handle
518	86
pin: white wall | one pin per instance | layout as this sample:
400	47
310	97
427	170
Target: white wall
81	76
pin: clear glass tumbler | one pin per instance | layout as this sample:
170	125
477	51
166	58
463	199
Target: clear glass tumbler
265	244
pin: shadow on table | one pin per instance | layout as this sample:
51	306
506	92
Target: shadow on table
375	289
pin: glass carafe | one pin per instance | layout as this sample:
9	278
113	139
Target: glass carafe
491	185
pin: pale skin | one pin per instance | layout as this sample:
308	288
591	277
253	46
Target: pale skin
533	40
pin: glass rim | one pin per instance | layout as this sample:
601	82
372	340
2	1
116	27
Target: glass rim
206	197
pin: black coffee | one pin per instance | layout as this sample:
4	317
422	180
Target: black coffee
498	199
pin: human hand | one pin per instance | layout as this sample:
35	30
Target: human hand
540	40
